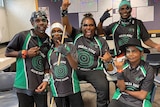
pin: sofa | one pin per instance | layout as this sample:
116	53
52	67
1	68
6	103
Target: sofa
8	97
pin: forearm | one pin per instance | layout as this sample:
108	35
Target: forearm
65	20
150	43
100	28
72	61
121	85
137	94
12	54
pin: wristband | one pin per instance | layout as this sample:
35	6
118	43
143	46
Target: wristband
63	12
46	77
24	54
19	54
119	70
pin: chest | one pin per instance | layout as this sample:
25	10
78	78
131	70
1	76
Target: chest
89	46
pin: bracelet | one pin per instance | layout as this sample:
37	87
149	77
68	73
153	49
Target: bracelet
46	77
24	53
119	70
63	12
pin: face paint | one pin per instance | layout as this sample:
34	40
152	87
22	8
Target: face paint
130	51
57	33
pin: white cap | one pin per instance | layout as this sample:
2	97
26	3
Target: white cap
56	25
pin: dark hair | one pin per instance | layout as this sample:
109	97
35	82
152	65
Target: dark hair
87	16
90	16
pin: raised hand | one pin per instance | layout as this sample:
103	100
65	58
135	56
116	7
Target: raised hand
65	4
105	15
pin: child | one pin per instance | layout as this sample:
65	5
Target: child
64	82
135	78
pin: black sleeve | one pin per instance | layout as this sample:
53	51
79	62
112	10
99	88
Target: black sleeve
74	33
143	31
108	30
105	46
16	43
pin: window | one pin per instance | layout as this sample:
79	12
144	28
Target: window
1	3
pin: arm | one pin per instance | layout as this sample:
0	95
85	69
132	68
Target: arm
121	85
100	28
146	86
137	94
152	44
64	18
105	15
106	57
73	63
146	37
44	83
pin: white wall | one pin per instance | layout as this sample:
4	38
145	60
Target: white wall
18	15
4	34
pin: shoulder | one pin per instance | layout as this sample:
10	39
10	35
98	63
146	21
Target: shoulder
23	33
147	66
101	39
113	24
20	36
139	22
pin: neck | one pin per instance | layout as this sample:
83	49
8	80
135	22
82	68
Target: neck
41	35
134	64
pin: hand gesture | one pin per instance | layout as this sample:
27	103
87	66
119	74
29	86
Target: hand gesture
41	87
119	64
106	57
63	49
34	51
105	15
65	4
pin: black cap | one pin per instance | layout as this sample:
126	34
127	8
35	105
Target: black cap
133	42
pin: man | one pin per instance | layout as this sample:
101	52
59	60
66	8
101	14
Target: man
135	77
127	27
30	48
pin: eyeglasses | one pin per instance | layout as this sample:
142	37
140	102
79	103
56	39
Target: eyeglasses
90	25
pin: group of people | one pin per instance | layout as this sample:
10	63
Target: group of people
42	60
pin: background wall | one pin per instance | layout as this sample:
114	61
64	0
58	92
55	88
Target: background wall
16	14
54	8
55	16
4	32
15	17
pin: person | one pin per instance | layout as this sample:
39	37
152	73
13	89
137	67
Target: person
30	48
135	77
64	82
92	51
124	29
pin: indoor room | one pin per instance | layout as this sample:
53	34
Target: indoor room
16	17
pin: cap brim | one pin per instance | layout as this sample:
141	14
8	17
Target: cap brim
123	48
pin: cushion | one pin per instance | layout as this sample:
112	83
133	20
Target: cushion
7	79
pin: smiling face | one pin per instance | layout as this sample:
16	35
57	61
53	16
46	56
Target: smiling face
125	11
88	27
133	54
40	24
